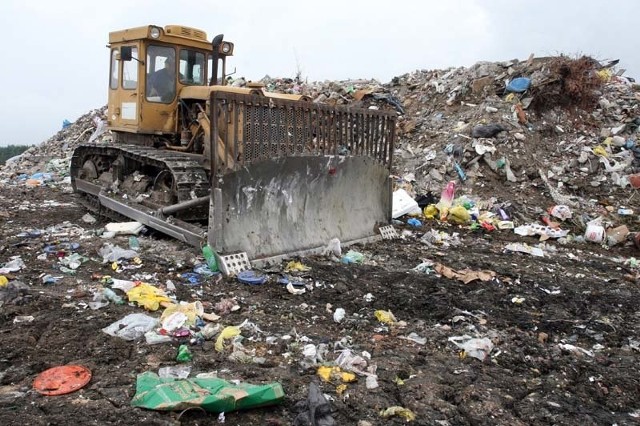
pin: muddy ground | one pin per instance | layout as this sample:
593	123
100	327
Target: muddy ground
567	353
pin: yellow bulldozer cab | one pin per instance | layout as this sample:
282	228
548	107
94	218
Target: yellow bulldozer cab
150	66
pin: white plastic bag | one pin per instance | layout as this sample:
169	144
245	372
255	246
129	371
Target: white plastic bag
403	204
124	228
334	247
101	127
112	253
475	348
131	327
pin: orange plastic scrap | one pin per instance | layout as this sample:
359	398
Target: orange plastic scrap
62	380
488	226
522	117
359	94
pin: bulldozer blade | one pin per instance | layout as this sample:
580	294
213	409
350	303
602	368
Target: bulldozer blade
298	204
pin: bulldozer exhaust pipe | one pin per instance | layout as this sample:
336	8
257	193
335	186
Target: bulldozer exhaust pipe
215	44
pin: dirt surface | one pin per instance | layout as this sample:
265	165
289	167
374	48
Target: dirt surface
564	329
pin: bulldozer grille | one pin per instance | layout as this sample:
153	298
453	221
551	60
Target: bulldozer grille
253	128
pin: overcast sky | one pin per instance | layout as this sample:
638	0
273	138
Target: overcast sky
56	62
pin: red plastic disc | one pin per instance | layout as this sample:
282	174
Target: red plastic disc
62	380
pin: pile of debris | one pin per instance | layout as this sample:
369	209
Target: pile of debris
570	123
49	161
504	146
557	127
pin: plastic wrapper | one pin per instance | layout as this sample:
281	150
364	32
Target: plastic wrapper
211	394
113	253
147	296
226	334
131	327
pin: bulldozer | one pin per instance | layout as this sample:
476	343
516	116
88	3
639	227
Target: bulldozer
241	169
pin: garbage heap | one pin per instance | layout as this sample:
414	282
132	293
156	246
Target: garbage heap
48	162
555	130
561	126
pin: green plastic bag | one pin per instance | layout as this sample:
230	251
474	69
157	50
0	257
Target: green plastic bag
212	394
184	354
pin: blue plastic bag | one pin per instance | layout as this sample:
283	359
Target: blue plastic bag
519	85
251	277
414	222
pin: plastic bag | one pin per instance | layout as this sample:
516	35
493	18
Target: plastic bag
14	265
396	410
488	131
101	127
112	253
184	354
189	312
414	222
212	394
147	296
459	215
475	348
385	317
316	410
226	334
519	85
402	204
353	257
131	327
334	247
446	199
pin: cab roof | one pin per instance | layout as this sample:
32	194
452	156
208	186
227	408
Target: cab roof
172	34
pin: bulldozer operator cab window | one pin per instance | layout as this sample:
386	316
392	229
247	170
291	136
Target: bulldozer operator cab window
191	67
161	74
130	71
114	69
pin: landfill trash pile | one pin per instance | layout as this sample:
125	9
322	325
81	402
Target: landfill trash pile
503	292
49	161
556	137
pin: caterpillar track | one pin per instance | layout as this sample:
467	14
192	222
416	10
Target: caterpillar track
165	189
